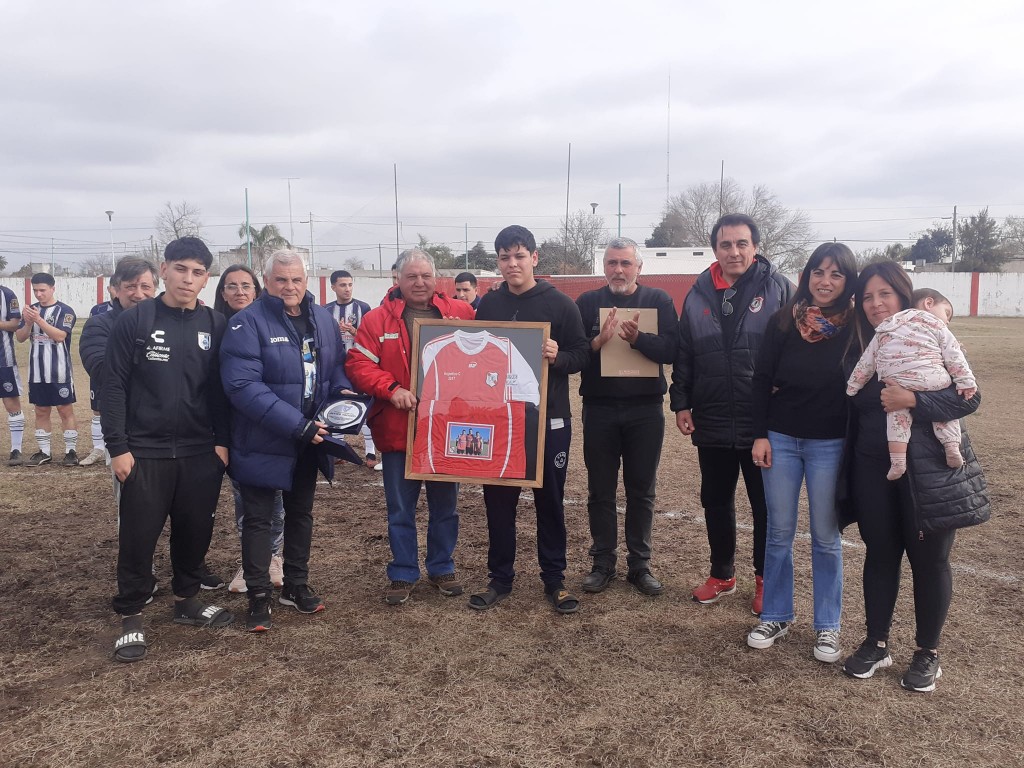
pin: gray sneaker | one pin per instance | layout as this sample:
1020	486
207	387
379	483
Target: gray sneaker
826	645
70	459
766	633
16	459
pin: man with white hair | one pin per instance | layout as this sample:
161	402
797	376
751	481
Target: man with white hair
623	417
379	365
282	358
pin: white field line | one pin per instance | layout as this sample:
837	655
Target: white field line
527	496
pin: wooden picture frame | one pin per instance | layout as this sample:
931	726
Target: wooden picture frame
481	388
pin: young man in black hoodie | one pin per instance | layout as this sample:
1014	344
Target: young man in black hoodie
522	297
165	422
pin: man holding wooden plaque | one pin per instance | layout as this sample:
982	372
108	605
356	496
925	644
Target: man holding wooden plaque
633	332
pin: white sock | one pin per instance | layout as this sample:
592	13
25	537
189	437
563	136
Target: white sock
70	439
16	421
368	440
43	441
97	434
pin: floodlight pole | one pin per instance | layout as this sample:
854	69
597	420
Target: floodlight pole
110	221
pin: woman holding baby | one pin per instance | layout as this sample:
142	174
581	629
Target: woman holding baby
919	511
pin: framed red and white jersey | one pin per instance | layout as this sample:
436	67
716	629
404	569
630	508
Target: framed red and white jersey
482	392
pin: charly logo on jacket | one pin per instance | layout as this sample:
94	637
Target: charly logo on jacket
205	340
757	304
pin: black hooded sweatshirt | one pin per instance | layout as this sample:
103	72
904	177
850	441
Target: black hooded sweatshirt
545	304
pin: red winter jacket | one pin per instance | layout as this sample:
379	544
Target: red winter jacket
381	358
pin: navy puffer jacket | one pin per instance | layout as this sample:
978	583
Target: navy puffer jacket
262	371
711	378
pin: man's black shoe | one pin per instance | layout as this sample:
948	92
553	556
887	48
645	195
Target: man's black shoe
258	619
597	580
646	583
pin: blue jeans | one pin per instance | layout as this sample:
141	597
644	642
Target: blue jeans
276	518
794	459
401	496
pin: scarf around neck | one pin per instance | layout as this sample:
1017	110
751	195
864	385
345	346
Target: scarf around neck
814	325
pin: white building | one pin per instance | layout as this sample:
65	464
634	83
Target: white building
667	261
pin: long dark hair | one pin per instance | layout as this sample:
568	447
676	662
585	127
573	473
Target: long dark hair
218	300
845	261
896	277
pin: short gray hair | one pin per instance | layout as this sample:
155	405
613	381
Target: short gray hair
414	254
621	243
284	257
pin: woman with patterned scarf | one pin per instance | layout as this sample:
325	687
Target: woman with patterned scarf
799	426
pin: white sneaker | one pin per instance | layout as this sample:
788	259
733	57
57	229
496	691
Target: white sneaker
277	571
97	454
237	584
378	467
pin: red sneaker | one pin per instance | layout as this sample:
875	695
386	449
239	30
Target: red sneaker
712	589
758	602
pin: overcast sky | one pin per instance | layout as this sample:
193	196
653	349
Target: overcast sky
875	120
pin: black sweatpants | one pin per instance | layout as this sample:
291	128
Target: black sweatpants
632	434
502	501
187	491
885	517
258	507
719	473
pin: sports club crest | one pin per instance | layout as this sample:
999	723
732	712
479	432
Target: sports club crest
757	304
205	341
492	378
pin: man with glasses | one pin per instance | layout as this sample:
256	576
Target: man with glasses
720	330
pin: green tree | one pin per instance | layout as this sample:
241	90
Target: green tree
24	271
444	257
934	245
980	248
480	258
264	241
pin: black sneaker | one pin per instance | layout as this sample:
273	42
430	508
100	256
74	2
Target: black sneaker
70	459
766	633
210	580
866	659
924	670
16	459
39	458
301	598
258	619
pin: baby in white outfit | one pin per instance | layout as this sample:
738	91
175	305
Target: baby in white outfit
915	349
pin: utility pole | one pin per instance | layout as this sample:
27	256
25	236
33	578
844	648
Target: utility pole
110	221
248	229
398	247
954	236
467	246
620	214
291	226
568	175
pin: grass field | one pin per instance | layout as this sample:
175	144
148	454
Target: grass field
628	681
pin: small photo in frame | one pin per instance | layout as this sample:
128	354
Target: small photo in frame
481	388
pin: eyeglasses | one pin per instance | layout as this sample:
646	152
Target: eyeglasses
726	306
236	288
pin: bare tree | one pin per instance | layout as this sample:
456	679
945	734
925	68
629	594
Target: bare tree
352	263
94	266
571	252
1012	235
785	233
176	220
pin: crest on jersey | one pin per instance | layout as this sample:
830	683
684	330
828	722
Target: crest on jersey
205	340
69	320
757	304
492	378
